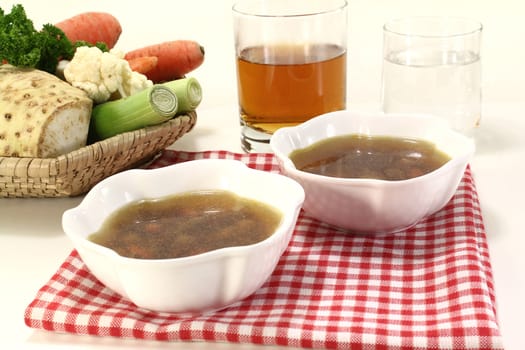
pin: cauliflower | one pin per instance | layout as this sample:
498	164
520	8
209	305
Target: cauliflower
103	75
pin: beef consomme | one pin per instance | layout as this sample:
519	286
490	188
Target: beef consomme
372	157
186	224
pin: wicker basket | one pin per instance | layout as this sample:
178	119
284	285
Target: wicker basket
75	173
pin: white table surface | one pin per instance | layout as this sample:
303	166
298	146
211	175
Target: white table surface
32	244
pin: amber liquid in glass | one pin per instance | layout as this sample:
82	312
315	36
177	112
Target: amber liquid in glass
289	84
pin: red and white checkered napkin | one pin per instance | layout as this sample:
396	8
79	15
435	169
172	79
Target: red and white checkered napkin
427	287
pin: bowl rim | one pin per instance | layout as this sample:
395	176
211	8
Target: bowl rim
285	225
290	167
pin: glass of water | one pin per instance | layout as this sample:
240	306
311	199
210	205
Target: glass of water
432	65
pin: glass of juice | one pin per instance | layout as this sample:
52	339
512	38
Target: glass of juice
291	64
432	65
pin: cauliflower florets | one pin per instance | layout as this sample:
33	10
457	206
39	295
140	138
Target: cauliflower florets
103	75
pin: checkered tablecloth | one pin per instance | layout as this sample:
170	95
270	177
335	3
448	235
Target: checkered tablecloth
429	287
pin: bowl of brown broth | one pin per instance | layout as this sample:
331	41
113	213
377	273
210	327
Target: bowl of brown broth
188	238
373	173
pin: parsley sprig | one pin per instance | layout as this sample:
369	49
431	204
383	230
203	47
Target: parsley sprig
24	46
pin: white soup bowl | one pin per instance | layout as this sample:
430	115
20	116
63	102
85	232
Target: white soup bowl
198	283
372	205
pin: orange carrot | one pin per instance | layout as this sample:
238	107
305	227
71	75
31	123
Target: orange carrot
92	27
143	64
175	59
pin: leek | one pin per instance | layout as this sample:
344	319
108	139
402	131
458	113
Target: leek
188	91
151	106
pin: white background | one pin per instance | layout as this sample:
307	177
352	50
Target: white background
32	244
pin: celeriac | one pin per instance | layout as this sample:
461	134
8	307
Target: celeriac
40	115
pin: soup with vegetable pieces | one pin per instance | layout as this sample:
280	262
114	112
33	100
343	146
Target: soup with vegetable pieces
186	224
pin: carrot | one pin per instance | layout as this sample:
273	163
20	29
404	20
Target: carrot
143	64
175	59
92	27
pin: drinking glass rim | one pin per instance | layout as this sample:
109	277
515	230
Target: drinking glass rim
474	26
338	5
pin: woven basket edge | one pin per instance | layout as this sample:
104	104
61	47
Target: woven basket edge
32	168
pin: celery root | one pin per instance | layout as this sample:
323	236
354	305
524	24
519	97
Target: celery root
40	115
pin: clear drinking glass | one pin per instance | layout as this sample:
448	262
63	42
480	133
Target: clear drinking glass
291	64
432	65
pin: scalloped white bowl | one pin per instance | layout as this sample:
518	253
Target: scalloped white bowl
371	205
194	284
